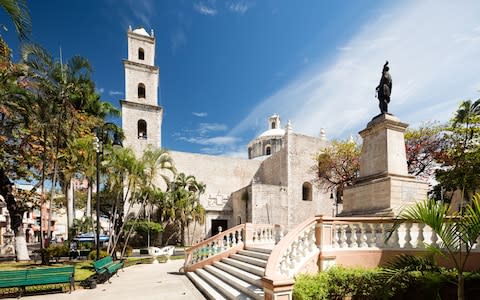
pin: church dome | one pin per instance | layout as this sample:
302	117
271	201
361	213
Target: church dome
141	31
273	132
269	142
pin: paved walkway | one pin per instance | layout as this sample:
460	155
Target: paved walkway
153	281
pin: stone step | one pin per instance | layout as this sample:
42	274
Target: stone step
255	254
250	260
206	289
245	266
263	250
227	290
242	274
256	292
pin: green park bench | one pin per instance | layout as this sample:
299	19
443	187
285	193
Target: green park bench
106	267
37	276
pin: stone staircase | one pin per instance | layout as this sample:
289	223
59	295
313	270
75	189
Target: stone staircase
235	277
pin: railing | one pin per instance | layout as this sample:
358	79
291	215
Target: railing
231	240
297	247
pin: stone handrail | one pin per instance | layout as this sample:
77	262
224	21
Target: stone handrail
217	244
293	251
230	241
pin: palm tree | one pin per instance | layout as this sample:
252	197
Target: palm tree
18	12
458	232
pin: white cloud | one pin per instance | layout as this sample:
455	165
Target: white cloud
205	9
433	62
205	128
239	7
115	93
178	39
209	141
101	90
200	114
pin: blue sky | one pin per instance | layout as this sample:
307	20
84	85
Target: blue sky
225	66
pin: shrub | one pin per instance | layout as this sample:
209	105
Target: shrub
93	254
311	287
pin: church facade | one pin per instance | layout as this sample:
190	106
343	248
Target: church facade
275	185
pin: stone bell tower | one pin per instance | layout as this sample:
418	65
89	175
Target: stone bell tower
141	114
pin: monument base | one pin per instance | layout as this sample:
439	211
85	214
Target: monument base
385	195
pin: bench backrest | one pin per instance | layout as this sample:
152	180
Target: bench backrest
12	278
102	262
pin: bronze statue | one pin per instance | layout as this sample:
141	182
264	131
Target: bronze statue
384	89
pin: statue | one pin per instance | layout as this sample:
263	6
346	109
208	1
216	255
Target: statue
384	89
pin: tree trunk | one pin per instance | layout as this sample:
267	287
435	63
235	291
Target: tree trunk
70	208
21	245
461	287
52	195
16	211
88	208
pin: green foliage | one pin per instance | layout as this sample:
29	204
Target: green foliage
93	254
337	166
58	250
339	283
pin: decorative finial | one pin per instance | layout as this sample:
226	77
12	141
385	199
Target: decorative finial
151	32
323	135
129	27
289	126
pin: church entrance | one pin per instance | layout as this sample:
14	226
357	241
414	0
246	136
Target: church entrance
219	223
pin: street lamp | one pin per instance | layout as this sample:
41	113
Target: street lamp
101	137
335	203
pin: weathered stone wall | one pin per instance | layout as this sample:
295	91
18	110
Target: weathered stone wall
269	204
273	169
222	176
135	74
242	203
301	153
131	113
136	41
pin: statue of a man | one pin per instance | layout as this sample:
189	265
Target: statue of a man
384	89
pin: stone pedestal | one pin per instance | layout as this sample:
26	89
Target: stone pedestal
384	186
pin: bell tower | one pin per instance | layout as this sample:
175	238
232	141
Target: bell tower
141	114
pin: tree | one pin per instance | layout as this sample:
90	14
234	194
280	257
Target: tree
460	162
337	166
458	232
18	12
424	146
184	200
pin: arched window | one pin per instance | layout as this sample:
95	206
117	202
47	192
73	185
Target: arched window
268	150
141	90
273	125
307	191
142	129
141	54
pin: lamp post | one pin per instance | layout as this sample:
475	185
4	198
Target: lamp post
101	136
335	203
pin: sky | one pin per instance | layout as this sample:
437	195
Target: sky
226	66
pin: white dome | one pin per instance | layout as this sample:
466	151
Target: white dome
141	31
273	132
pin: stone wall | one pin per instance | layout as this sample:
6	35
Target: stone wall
131	113
301	155
269	204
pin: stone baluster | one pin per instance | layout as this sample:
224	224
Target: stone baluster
353	236
420	237
300	246
372	242
363	236
210	249
336	236
434	239
255	236
343	236
394	239
240	235
312	240
383	235
408	236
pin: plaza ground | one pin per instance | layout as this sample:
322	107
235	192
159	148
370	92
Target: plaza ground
146	281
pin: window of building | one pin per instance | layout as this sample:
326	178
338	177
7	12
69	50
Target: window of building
307	191
273	125
142	129
268	150
141	90
141	54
